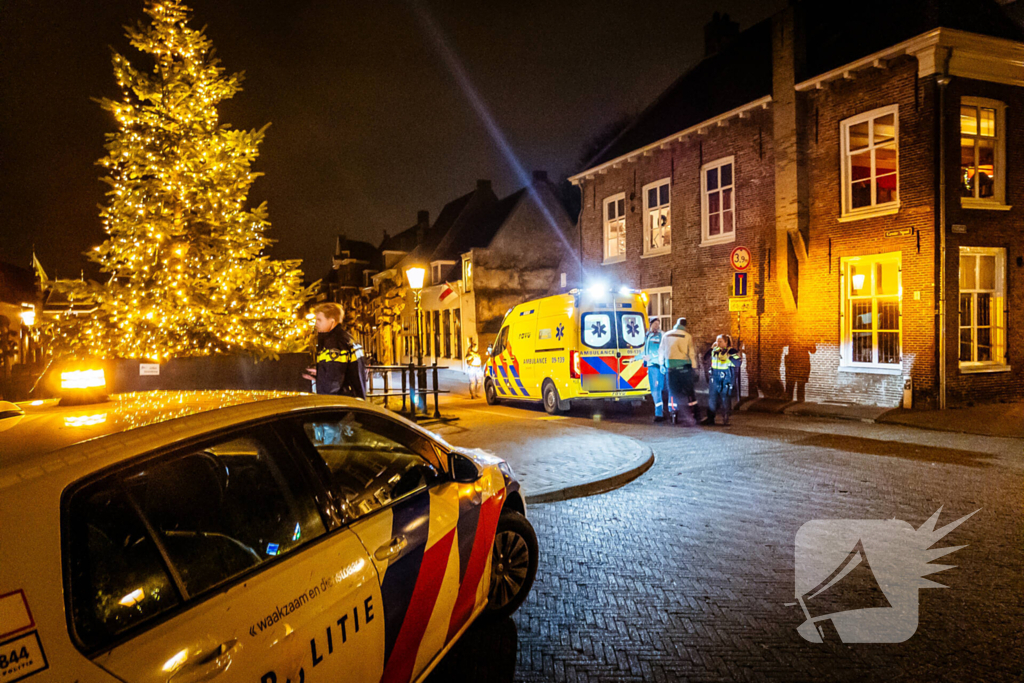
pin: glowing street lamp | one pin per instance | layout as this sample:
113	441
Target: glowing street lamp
28	315
415	277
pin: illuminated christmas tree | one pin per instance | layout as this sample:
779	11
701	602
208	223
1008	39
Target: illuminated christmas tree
186	259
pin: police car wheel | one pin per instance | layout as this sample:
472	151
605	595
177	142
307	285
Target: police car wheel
513	564
551	402
490	393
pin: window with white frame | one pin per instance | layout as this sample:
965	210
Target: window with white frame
982	307
982	153
871	314
659	306
870	163
717	202
657	218
615	228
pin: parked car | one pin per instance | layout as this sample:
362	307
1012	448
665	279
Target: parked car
247	536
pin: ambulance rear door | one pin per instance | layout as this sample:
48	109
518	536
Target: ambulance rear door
631	331
598	347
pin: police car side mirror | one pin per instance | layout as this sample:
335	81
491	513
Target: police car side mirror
463	470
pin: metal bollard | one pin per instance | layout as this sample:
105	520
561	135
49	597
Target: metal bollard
403	389
437	410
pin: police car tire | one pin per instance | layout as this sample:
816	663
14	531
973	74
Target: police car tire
549	397
515	535
490	393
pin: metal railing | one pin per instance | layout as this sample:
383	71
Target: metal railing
413	387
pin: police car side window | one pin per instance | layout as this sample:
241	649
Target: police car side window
116	575
225	508
373	461
145	539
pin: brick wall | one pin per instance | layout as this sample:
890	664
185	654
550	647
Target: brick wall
796	353
987	228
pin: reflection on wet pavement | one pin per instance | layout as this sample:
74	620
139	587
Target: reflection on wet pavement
485	653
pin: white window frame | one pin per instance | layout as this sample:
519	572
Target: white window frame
706	239
653	212
999	362
846	361
435	270
998	199
888	208
652	295
605	233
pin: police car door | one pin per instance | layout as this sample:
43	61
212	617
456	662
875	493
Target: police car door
215	562
389	481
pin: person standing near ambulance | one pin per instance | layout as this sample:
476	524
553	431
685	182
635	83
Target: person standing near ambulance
679	359
339	360
725	367
475	370
655	376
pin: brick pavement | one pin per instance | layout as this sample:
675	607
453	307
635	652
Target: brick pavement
684	573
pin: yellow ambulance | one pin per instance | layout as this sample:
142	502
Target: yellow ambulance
582	345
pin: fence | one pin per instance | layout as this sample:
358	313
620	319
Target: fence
412	387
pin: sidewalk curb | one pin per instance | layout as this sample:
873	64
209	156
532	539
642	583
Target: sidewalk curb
600	485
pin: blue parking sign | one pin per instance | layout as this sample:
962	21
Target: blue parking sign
739	284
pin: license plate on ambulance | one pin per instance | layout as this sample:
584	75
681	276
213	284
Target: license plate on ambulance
600	382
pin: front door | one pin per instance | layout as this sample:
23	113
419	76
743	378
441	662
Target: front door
415	523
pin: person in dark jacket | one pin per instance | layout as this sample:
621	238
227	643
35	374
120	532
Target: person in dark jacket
339	360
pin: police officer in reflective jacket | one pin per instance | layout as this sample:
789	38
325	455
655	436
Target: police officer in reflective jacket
725	372
339	360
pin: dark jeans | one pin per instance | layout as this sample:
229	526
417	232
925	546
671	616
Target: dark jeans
680	387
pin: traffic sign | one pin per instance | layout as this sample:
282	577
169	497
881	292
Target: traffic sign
739	284
740	258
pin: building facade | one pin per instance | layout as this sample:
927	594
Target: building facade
874	177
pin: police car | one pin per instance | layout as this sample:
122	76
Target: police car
244	536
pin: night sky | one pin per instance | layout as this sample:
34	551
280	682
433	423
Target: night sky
368	121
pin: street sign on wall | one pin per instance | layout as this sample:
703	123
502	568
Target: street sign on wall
740	258
739	284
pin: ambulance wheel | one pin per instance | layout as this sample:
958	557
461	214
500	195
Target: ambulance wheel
552	404
513	564
490	393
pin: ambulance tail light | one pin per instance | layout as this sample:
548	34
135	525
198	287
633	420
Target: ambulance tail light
574	365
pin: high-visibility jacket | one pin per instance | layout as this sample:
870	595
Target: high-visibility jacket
677	350
725	363
473	359
339	365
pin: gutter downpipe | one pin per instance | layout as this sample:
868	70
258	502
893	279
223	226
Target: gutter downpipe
579	224
943	81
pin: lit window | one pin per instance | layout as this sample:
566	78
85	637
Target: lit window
982	307
659	306
615	228
657	218
982	154
871	312
717	202
870	166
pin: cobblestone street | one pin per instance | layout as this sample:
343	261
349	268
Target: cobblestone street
684	573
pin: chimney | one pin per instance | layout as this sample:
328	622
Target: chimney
422	225
340	244
540	177
483	186
719	33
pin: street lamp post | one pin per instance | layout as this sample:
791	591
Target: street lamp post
415	277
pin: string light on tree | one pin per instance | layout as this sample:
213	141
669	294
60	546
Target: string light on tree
185	258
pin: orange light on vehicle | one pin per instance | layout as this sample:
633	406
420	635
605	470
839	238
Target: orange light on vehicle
133	598
83	379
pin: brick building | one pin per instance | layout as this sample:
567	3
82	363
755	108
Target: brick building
864	164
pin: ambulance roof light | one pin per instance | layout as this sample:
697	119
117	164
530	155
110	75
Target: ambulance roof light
598	289
625	291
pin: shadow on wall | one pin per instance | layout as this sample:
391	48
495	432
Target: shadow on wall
796	370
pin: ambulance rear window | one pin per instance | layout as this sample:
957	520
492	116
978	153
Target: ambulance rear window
598	330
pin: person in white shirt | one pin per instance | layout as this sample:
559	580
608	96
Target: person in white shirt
678	357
